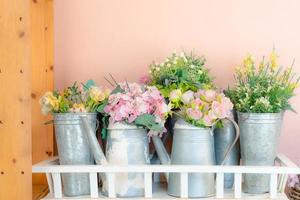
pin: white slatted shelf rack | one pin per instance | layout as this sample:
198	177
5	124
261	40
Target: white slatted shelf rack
158	190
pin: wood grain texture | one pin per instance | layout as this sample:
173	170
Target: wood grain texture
42	80
15	103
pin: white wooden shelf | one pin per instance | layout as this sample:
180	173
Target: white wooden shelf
278	178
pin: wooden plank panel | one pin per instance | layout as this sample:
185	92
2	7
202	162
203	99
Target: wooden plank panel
42	80
49	42
15	106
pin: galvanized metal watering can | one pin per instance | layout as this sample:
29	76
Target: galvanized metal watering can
224	137
126	145
259	140
73	149
191	146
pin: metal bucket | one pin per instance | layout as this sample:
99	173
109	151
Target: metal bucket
73	149
127	145
224	137
192	146
259	140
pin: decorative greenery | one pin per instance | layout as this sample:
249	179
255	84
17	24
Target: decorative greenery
203	108
184	72
88	98
263	88
142	106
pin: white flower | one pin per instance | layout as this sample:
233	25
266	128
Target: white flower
157	68
200	72
187	97
162	64
192	66
175	62
168	65
166	108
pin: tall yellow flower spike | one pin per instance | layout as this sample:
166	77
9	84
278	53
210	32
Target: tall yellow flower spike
249	63
261	65
273	60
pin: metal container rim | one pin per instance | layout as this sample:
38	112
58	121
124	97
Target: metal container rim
246	115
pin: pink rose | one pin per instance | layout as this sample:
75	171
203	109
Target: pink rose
222	109
208	121
210	95
194	114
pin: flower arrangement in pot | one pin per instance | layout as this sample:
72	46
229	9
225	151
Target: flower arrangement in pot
135	113
180	72
261	96
193	142
67	107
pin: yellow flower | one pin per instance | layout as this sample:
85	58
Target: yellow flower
239	70
78	107
49	102
261	66
98	94
249	63
273	60
294	85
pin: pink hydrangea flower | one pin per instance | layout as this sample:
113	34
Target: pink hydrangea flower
136	101
293	180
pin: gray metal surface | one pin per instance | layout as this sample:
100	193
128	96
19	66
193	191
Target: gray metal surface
259	140
224	137
126	145
192	146
73	149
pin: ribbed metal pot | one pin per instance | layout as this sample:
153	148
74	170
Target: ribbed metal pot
73	149
127	145
192	146
224	137
259	140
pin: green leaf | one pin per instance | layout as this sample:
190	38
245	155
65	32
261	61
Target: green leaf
104	127
101	107
148	121
89	84
118	89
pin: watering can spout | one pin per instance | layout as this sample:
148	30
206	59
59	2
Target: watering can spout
93	142
161	152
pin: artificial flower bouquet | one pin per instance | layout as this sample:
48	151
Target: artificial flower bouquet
263	87
183	71
139	105
203	108
88	98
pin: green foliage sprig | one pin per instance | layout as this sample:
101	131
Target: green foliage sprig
184	72
89	98
263	88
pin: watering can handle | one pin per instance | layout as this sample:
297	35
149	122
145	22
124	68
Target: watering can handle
237	135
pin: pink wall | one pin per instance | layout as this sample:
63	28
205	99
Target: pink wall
94	38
